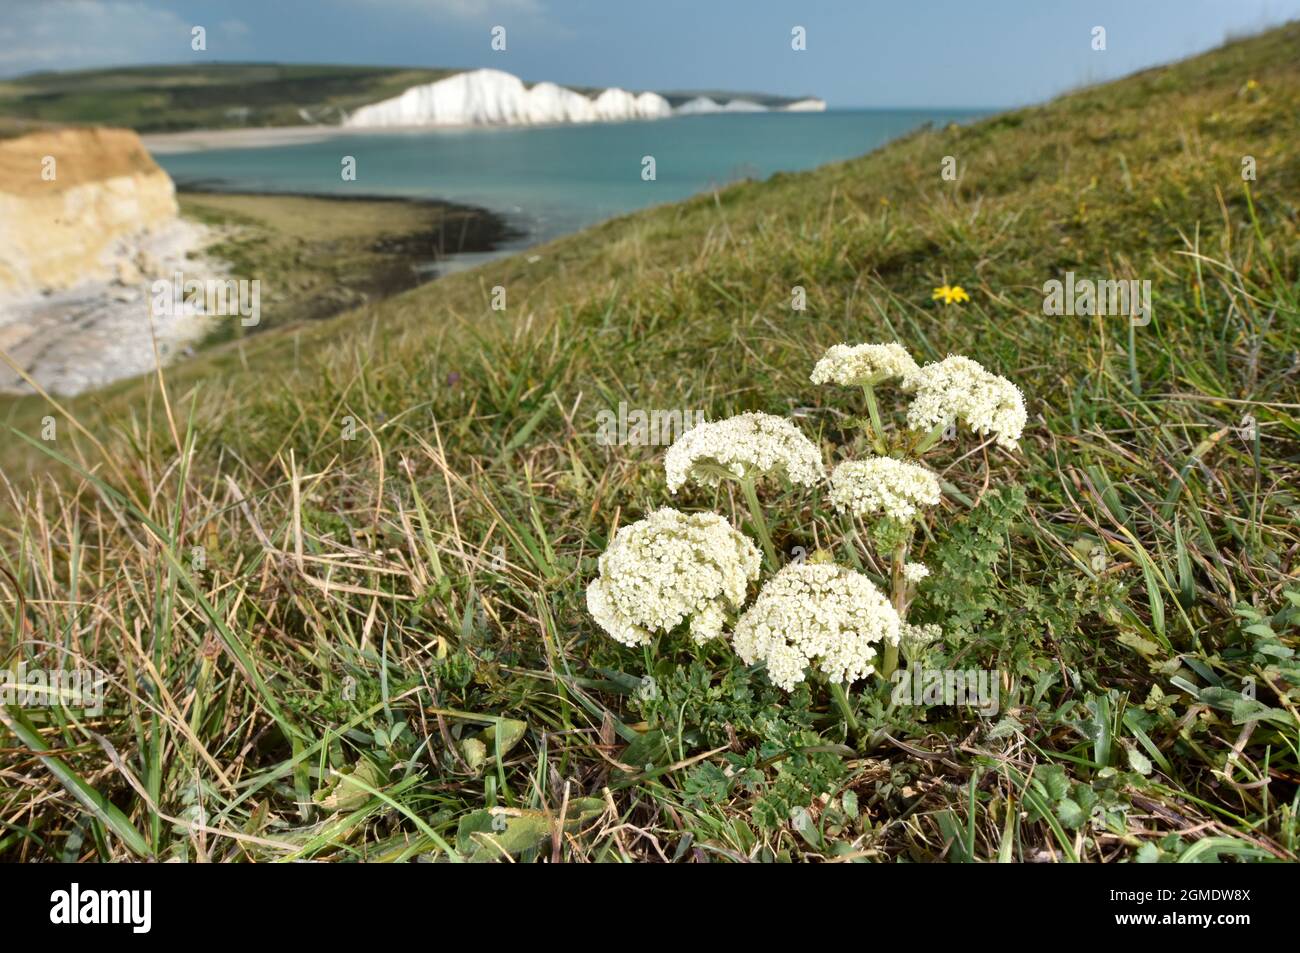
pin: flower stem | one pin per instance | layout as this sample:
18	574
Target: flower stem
853	541
899	592
930	439
890	663
760	524
842	702
877	428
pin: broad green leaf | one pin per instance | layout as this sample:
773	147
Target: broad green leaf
1070	813
494	833
475	752
1137	760
339	796
1140	645
647	752
501	737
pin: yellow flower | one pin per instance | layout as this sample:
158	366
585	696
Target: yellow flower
950	294
1251	84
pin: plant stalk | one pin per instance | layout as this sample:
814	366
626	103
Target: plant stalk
760	524
930	439
877	433
889	664
842	702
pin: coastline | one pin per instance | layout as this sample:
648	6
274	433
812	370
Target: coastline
199	140
312	256
261	137
318	255
98	331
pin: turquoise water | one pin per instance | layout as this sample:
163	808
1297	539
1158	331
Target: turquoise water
549	181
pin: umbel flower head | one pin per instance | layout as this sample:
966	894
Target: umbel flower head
863	365
667	567
816	614
915	639
746	446
958	388
915	572
883	485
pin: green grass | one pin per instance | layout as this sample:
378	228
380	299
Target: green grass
385	651
213	96
319	256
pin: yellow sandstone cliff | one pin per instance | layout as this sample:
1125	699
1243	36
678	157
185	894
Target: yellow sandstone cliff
67	199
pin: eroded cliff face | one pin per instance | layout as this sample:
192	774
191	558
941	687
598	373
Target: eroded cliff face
72	204
490	97
87	223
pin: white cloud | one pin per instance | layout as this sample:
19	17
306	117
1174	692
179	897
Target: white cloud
69	34
475	10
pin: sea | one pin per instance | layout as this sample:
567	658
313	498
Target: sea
549	181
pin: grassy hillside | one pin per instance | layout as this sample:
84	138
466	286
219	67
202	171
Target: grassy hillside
218	95
212	96
381	650
319	256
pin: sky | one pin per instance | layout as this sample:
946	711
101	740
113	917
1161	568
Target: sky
878	53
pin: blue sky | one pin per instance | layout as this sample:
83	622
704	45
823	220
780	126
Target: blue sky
859	52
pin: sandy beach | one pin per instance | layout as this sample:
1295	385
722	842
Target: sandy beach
166	143
198	140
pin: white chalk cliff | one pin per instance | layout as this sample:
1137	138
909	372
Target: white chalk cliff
807	106
703	104
489	97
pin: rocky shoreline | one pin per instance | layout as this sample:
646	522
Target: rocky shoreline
312	257
96	331
319	255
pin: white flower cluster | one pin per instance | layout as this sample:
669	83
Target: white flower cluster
959	388
883	485
915	572
749	444
816	613
864	364
811	617
916	639
666	567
